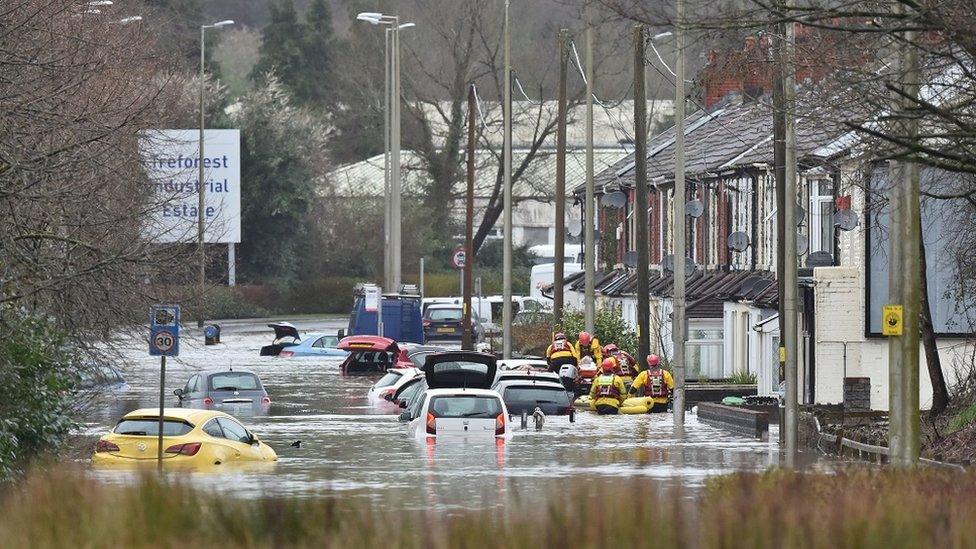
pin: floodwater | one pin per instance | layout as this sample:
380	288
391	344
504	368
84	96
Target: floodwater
352	449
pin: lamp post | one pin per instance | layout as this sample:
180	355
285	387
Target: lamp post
201	182
392	267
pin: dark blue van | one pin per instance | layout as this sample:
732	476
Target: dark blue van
402	317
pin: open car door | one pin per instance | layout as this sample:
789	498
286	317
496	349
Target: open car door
368	354
282	330
460	369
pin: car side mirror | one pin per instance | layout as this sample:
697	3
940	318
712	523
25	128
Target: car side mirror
402	404
341	334
251	439
405	416
388	396
178	392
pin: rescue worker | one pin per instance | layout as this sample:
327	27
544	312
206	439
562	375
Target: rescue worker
625	364
608	391
563	360
654	382
589	346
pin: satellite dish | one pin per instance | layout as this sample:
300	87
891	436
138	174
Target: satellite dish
615	199
748	284
802	244
575	228
820	259
846	220
761	285
801	214
668	264
694	208
630	259
738	241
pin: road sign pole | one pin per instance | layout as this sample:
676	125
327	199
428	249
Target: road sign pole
162	400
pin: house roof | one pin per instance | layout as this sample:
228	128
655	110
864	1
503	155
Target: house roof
732	136
365	178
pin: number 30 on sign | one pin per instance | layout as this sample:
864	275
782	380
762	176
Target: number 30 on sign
164	330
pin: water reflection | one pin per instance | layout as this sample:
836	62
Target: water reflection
357	450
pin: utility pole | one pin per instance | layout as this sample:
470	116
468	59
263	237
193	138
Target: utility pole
467	342
640	208
558	267
395	176
779	175
387	195
202	183
904	278
507	184
589	212
679	321
788	241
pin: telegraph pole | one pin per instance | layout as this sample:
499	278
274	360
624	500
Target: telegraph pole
395	235
468	341
903	275
507	184
679	325
387	195
558	270
201	190
640	208
788	240
589	212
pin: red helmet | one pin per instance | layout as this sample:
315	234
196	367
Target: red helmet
608	366
559	335
609	349
653	361
584	338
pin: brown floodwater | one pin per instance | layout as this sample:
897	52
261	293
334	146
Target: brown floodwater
351	449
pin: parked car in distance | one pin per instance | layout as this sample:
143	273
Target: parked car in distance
236	389
446	321
525	375
524	396
371	355
417	354
190	437
387	385
288	343
457	400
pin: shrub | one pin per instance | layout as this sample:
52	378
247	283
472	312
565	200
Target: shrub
229	302
743	378
35	388
609	324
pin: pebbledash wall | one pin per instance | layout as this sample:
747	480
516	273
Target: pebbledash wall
839	294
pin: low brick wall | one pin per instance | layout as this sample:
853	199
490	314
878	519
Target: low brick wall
738	420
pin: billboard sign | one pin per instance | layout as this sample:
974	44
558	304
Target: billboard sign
171	159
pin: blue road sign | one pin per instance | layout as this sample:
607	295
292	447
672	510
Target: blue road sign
164	330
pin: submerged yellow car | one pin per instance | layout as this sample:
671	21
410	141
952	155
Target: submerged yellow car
190	437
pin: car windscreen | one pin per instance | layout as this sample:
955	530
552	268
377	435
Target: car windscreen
389	379
458	373
419	357
466	406
150	427
370	358
537	395
234	381
444	315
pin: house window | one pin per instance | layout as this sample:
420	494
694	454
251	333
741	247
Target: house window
704	353
822	216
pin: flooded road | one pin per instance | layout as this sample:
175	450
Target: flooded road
351	449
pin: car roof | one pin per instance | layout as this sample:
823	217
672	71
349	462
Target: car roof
526	374
444	306
210	373
506	383
459	392
193	415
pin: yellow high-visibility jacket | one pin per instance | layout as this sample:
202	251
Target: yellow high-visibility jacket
644	385
608	389
561	349
593	350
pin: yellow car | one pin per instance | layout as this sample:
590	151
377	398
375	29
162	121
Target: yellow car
190	437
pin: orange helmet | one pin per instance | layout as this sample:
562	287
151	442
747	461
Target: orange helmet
608	366
584	338
609	349
559	335
653	361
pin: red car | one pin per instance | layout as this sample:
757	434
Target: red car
370	354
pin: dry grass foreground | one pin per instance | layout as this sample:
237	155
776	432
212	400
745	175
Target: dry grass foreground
777	509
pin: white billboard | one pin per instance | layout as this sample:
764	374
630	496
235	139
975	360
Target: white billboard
171	159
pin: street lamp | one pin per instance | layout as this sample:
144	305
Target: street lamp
391	153
201	182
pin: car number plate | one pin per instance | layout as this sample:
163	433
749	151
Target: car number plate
445	330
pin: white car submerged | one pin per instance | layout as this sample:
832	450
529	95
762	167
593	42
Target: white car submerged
382	391
457	401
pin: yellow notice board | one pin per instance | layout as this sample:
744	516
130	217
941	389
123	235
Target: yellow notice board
892	320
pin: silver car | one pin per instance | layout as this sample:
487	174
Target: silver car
239	390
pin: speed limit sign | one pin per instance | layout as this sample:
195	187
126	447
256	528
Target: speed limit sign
164	330
164	341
